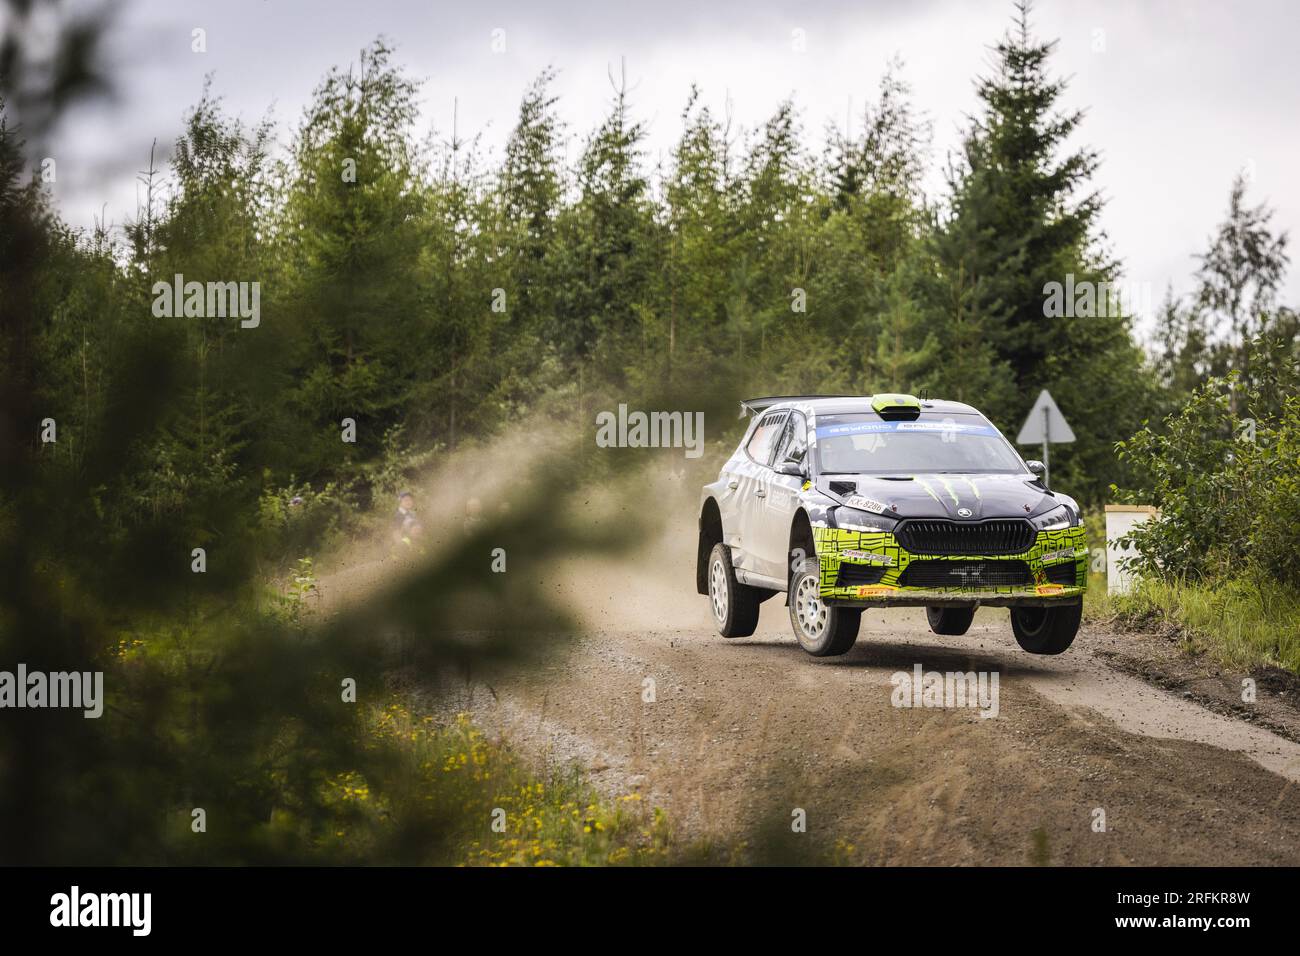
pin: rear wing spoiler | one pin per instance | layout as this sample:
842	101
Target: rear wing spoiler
752	406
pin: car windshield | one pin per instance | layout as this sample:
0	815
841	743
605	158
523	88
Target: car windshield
853	444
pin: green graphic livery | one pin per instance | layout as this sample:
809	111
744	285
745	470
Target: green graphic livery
871	566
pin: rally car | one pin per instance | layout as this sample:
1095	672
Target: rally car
844	503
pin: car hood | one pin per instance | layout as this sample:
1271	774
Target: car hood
945	496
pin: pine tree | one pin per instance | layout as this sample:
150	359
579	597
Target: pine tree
776	260
352	228
698	204
519	235
1180	350
1238	282
460	286
1023	217
607	243
905	351
873	213
531	191
1017	222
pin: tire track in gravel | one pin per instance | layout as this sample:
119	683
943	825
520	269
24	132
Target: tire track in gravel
743	731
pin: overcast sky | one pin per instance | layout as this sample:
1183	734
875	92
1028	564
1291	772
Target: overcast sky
1179	95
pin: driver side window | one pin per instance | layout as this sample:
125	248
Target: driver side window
766	435
794	443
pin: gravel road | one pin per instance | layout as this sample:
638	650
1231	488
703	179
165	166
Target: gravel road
1121	751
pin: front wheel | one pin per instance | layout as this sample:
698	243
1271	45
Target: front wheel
735	605
822	631
1046	629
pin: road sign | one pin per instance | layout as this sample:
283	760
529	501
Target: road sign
1045	424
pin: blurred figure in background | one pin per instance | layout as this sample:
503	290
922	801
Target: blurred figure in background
473	514
406	524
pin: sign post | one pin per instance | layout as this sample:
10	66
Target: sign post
1045	424
1047	442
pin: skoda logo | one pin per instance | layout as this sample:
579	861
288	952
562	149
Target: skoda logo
964	512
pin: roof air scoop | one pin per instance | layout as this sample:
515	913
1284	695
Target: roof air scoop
897	407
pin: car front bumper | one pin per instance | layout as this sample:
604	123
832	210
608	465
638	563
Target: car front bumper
877	572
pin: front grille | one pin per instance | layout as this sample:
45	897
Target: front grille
1063	574
965	574
940	536
855	575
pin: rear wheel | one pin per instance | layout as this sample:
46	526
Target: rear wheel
949	620
822	631
735	605
1045	629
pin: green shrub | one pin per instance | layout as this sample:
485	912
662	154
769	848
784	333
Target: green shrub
1275	530
1225	473
298	519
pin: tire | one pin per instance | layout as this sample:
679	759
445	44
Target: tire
821	631
949	620
735	605
1046	629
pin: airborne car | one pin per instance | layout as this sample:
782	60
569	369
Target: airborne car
846	503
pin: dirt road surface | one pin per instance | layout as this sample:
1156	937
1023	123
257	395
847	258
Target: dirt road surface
1083	764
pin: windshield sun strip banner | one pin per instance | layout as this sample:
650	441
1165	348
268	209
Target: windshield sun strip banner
867	428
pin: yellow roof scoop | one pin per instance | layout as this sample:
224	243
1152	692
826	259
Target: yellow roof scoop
900	406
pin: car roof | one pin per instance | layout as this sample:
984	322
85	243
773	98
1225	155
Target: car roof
849	404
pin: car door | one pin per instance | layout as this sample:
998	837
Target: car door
727	492
780	500
752	478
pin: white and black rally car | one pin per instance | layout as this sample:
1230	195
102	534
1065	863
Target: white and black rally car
845	503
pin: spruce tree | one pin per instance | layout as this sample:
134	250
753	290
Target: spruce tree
1024	216
1237	285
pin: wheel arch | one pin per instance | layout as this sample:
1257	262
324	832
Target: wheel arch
710	534
801	537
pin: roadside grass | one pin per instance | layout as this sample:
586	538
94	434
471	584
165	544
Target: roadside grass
427	791
1241	622
487	807
1096	602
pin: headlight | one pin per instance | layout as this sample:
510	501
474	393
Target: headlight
1057	519
854	520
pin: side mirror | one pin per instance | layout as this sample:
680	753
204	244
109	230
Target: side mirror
1037	467
791	467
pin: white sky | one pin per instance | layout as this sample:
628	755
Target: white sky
1182	95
